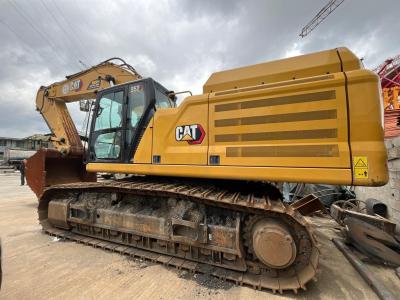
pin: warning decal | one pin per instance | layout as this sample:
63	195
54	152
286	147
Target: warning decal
360	164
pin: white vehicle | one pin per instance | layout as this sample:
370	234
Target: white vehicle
16	156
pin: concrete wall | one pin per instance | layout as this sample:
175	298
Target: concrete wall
390	193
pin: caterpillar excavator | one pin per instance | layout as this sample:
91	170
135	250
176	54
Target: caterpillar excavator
204	191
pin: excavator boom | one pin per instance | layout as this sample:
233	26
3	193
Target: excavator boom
51	101
43	168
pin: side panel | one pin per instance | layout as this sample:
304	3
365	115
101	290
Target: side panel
295	131
306	175
366	131
299	67
298	123
144	150
182	149
301	111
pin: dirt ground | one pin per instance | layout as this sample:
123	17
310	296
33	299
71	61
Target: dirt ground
36	266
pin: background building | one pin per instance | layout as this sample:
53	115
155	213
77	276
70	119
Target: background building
34	142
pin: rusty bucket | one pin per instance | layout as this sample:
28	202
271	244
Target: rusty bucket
48	167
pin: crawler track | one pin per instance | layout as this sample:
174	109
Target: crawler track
244	269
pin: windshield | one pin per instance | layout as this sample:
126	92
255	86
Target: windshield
109	126
110	111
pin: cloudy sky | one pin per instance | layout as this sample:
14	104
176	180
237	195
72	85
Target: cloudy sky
178	43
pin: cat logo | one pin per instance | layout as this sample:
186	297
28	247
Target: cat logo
193	134
73	86
94	84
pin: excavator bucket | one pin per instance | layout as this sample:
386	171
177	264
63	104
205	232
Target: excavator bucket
47	167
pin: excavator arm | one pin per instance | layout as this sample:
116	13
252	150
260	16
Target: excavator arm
51	102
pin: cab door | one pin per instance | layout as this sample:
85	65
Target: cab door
121	115
108	126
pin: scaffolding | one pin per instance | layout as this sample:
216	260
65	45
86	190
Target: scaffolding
389	74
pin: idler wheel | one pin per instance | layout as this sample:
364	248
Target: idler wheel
273	244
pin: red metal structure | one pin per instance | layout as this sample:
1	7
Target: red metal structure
389	73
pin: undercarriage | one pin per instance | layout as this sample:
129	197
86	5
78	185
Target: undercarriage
237	231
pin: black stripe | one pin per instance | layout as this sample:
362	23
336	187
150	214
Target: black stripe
302	98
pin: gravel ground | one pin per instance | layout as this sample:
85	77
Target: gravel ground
37	266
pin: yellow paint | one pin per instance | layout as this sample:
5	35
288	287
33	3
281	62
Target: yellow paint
299	67
366	129
307	175
254	131
144	149
302	119
338	103
192	111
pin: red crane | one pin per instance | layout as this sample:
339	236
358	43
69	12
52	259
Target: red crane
389	74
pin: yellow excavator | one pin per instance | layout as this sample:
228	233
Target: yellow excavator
204	191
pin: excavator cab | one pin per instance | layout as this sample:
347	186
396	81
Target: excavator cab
120	117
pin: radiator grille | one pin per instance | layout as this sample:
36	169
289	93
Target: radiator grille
259	138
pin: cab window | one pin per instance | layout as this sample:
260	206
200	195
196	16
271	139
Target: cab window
162	100
136	105
108	126
110	111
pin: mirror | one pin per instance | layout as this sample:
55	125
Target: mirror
84	105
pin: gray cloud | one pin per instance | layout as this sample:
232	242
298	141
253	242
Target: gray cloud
179	43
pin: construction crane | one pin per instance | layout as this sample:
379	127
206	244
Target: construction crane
389	72
322	14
